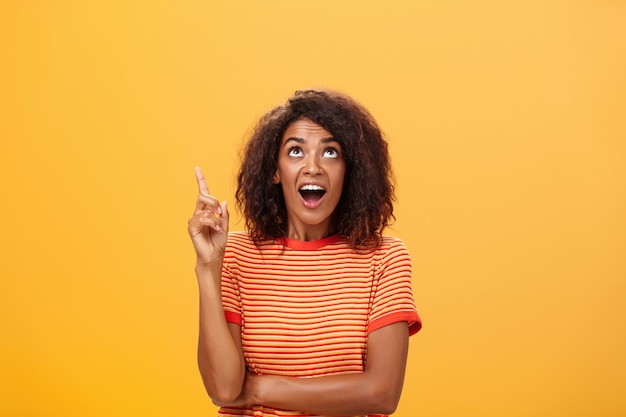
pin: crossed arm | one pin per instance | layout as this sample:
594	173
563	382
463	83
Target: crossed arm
220	358
375	391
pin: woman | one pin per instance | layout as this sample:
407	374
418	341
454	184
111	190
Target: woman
310	310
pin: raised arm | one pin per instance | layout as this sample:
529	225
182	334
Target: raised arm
375	391
220	356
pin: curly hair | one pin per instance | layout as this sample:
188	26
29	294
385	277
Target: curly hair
366	204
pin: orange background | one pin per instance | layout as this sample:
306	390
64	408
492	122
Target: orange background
508	137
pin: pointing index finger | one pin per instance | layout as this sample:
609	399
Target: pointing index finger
203	188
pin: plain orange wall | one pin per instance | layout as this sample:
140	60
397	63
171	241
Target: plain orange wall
508	136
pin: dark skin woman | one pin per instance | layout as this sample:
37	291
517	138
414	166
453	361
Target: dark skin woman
315	183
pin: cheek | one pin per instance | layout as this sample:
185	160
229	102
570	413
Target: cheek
340	177
340	173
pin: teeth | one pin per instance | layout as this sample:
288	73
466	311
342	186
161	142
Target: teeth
311	187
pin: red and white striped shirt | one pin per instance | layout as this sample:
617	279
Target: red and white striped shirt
306	308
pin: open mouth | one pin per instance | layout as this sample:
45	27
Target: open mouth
311	193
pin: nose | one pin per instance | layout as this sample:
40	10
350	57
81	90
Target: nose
313	166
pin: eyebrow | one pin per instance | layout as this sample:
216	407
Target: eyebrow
301	140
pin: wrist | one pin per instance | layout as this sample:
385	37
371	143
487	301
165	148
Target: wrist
260	386
209	275
209	266
254	392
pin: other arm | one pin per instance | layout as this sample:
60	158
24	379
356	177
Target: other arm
220	357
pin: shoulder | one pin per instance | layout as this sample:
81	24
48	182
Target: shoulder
239	238
241	244
392	249
391	243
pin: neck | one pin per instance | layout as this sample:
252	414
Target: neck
309	233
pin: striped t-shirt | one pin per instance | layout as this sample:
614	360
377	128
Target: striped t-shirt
306	308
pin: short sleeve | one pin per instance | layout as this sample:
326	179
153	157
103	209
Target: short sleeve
392	293
231	302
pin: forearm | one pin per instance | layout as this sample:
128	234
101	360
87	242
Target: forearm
337	395
220	359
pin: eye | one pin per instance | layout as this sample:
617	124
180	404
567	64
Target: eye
296	151
331	153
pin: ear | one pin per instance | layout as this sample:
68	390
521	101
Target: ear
276	178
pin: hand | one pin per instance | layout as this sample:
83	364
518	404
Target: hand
208	227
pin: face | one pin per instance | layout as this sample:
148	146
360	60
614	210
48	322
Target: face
311	170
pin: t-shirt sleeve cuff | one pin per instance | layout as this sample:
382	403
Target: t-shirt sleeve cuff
411	317
231	317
